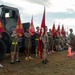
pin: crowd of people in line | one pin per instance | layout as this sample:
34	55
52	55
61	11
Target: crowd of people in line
50	44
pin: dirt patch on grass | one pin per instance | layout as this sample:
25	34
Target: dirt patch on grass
59	64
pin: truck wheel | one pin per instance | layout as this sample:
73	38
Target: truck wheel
2	49
7	40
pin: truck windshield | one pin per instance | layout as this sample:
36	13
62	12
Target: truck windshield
10	19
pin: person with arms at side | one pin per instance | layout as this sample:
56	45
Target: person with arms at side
36	40
72	39
44	46
51	42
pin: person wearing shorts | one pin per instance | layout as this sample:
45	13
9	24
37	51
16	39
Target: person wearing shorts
44	38
14	46
27	45
36	40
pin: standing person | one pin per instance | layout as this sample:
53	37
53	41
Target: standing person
57	43
44	46
0	38
14	46
51	42
72	39
27	45
36	40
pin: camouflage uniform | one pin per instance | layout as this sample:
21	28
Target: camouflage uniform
14	47
27	43
45	37
15	39
36	38
51	41
27	40
72	40
56	43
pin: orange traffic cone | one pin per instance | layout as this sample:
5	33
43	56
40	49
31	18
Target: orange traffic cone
69	52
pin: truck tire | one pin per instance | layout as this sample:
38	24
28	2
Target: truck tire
7	40
2	50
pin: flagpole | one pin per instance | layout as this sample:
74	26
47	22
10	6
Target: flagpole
42	32
67	31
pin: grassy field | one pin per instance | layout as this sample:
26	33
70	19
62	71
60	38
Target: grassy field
59	64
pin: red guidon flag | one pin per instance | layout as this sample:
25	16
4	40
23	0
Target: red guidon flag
19	27
42	32
54	31
63	31
1	27
31	28
58	30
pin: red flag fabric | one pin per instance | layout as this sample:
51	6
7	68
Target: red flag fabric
19	27
42	32
54	30
40	48
63	31
1	27
58	30
31	28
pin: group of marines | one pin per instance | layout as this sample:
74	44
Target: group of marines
50	44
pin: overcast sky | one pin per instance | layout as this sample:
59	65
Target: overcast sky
57	11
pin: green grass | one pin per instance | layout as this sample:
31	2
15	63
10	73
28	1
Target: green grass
59	64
